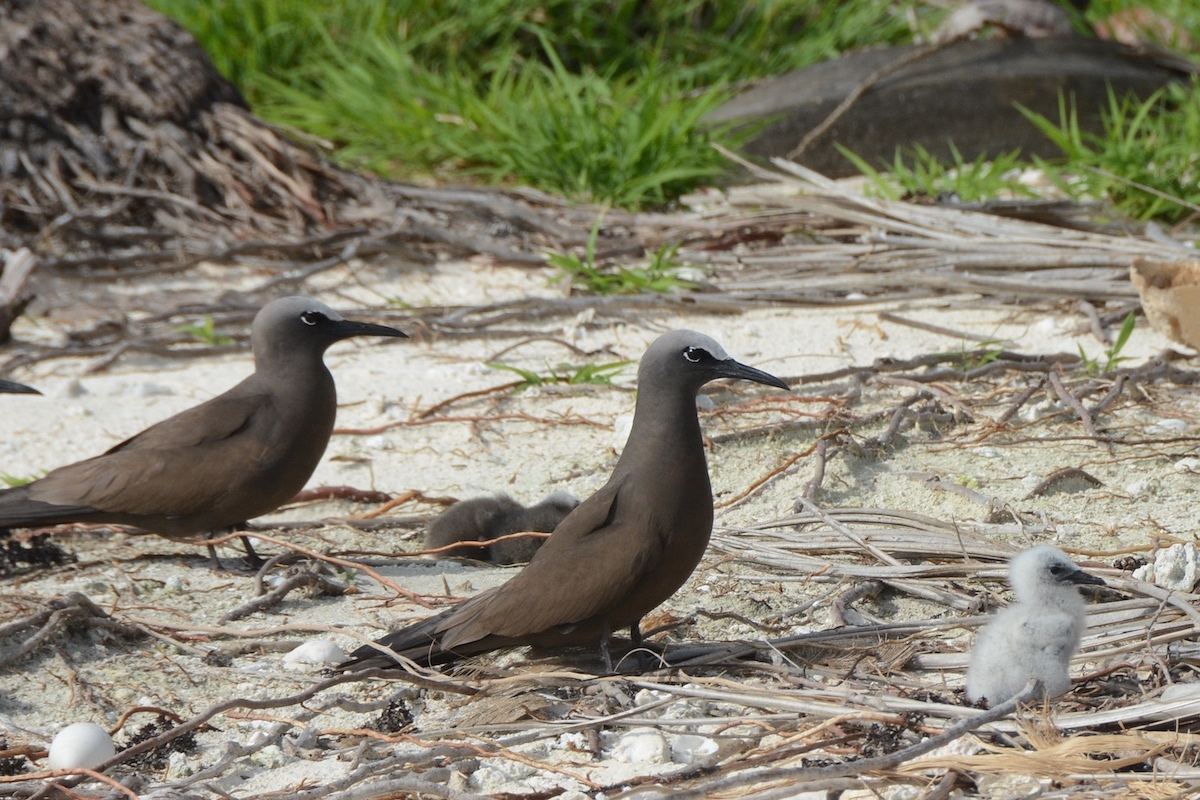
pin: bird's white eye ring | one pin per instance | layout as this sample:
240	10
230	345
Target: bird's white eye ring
693	354
310	317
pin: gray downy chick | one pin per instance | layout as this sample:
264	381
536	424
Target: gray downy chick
482	519
1037	635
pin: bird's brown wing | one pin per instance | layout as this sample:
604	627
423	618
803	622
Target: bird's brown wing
212	421
594	558
176	467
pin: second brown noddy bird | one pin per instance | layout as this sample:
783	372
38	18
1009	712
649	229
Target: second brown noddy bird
237	456
622	551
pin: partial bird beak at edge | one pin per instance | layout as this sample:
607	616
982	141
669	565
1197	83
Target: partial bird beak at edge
735	369
12	387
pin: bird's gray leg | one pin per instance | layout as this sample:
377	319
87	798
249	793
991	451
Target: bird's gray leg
635	636
605	652
252	558
212	555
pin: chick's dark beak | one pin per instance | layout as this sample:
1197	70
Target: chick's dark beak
1081	577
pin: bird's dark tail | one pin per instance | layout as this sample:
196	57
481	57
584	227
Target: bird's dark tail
18	511
420	642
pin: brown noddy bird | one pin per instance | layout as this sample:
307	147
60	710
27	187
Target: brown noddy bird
482	519
12	387
239	455
623	551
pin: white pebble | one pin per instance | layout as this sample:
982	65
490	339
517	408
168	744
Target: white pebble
317	651
1009	787
642	747
500	777
645	697
987	452
488	780
1176	692
148	389
377	443
573	741
1168	426
1145	487
691	749
1046	326
84	744
1144	573
179	766
70	389
1189	464
962	746
1176	568
1031	412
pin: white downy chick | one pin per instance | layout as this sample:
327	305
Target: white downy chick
1037	635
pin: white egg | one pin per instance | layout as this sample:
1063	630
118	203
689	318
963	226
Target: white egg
84	744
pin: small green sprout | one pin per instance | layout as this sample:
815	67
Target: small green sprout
206	332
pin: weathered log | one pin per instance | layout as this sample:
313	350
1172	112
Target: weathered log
965	92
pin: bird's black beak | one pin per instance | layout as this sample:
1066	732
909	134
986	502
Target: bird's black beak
12	387
735	369
1081	577
348	328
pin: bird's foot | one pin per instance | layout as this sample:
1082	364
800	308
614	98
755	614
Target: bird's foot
254	561
252	558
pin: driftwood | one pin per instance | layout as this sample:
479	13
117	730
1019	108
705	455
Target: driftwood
14	273
931	95
124	153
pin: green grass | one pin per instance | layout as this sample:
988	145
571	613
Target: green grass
206	332
1146	162
13	481
979	355
917	173
594	374
1112	355
659	274
601	99
592	99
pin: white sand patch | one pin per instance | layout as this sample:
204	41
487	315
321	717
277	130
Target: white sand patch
528	444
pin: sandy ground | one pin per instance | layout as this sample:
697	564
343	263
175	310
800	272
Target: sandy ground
528	444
